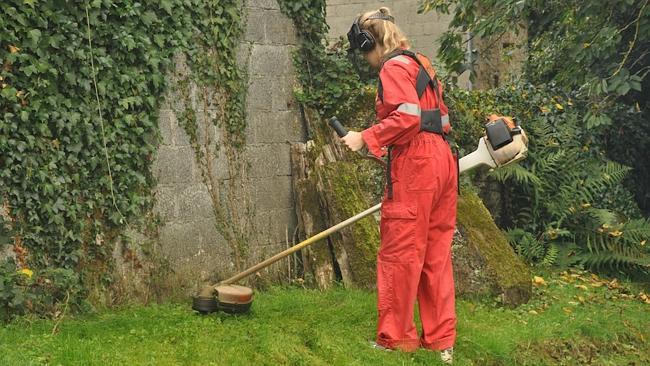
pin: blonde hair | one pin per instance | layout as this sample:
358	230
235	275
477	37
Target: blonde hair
386	33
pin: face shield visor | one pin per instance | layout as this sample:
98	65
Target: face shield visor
360	42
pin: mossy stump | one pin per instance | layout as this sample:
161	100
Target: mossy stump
329	187
484	263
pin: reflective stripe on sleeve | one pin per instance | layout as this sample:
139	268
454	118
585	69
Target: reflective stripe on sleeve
409	108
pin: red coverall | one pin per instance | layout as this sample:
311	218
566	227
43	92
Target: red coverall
417	224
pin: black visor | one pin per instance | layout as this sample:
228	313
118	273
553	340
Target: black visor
353	35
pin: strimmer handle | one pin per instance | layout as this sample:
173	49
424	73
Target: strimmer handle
338	127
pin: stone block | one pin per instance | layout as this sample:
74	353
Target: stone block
268	160
273	193
166	125
277	126
194	202
192	242
263	4
243	54
166	202
220	166
269	60
173	165
260	94
282	97
270	93
273	228
351	9
268	27
280	29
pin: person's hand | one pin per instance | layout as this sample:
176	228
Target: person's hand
354	140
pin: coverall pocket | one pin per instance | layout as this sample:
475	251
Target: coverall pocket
421	173
397	229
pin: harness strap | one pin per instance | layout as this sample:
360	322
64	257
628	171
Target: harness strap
431	120
389	180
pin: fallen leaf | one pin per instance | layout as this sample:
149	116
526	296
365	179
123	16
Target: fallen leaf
583	287
13	49
644	297
567	310
613	284
616	233
537	280
27	272
532	312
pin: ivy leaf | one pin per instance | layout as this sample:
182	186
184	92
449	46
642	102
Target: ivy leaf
623	88
167	6
149	17
34	35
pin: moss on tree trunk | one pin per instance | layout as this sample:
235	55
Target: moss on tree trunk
484	261
330	186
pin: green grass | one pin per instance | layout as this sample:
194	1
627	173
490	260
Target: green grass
605	326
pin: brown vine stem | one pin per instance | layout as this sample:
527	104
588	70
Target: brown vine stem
636	33
65	310
101	120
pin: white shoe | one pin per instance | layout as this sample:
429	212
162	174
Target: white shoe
374	345
447	355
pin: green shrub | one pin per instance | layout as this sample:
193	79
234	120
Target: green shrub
565	201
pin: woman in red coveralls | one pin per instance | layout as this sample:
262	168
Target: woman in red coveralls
418	213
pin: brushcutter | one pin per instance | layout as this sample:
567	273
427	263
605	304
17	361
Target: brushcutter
503	143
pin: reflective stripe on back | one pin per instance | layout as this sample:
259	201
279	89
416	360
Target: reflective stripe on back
402	59
445	120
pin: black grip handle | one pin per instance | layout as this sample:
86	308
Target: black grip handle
338	127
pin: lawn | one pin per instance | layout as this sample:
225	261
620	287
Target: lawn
573	318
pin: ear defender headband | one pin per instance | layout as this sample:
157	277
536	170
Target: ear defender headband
362	39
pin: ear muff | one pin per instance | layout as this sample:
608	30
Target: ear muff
362	39
359	38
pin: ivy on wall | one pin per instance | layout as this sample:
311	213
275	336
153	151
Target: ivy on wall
221	98
329	83
80	87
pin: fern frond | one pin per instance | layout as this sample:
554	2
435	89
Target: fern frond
614	261
601	216
551	255
637	230
516	173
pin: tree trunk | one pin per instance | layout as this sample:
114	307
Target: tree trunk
330	185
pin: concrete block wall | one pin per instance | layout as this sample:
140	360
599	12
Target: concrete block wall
188	235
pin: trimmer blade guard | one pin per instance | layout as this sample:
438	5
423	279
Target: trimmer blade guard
234	299
204	305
